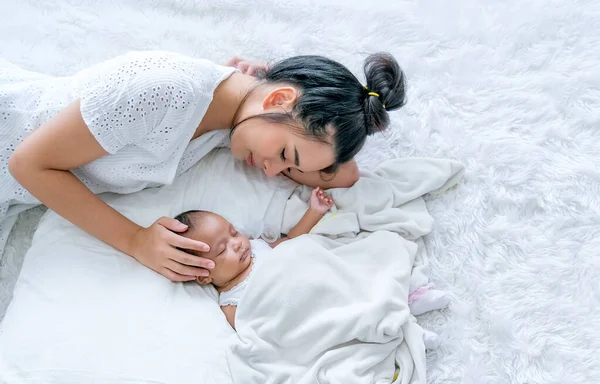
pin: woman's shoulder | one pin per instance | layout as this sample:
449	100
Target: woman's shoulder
155	76
158	66
141	96
161	59
149	57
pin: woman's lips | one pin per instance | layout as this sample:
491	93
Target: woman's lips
250	159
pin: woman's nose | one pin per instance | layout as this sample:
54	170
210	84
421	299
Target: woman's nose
271	168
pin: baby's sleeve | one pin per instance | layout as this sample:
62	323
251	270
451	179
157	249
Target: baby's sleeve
232	297
123	103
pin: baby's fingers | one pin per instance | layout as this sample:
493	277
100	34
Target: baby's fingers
323	196
315	193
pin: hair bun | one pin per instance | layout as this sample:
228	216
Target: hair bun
385	90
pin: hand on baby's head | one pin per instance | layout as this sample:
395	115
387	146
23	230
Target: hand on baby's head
229	249
320	201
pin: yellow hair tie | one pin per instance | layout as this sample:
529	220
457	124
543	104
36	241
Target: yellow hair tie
372	94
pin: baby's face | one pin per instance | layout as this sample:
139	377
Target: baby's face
229	249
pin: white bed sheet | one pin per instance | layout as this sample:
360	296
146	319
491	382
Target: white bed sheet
82	310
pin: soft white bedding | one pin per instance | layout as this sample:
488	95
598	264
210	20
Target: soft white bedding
83	311
509	88
329	310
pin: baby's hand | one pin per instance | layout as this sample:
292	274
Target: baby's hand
320	201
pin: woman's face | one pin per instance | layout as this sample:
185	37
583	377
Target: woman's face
275	147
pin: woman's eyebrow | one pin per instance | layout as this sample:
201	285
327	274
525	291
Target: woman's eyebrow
297	159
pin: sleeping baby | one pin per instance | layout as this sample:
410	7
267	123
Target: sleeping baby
235	256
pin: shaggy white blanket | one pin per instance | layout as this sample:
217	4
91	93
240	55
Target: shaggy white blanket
509	88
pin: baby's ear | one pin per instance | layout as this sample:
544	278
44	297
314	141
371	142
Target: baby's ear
204	280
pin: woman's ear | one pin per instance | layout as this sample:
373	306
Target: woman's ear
204	280
283	97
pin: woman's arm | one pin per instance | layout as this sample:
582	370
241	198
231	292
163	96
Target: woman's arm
345	177
41	165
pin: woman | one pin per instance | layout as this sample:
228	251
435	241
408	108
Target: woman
135	121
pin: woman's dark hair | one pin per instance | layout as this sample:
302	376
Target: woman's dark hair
333	100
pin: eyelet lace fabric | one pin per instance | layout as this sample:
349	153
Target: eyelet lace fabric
143	109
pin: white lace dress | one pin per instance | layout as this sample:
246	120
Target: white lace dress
142	107
234	295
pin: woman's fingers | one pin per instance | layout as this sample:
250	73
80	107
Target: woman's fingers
190	273
243	66
174	276
233	62
248	67
257	71
172	224
196	262
186	243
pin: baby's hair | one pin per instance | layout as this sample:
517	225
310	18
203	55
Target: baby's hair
189	218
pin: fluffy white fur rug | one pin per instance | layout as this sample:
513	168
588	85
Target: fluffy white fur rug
510	88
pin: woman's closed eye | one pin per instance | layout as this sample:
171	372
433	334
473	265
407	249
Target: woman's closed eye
282	156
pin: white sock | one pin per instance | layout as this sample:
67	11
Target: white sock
429	300
431	339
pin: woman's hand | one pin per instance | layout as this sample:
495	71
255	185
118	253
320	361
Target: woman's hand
156	248
248	67
320	201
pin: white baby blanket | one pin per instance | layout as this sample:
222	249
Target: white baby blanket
334	309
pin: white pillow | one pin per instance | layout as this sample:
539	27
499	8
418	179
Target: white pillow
82	310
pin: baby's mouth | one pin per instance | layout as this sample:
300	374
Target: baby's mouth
245	254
